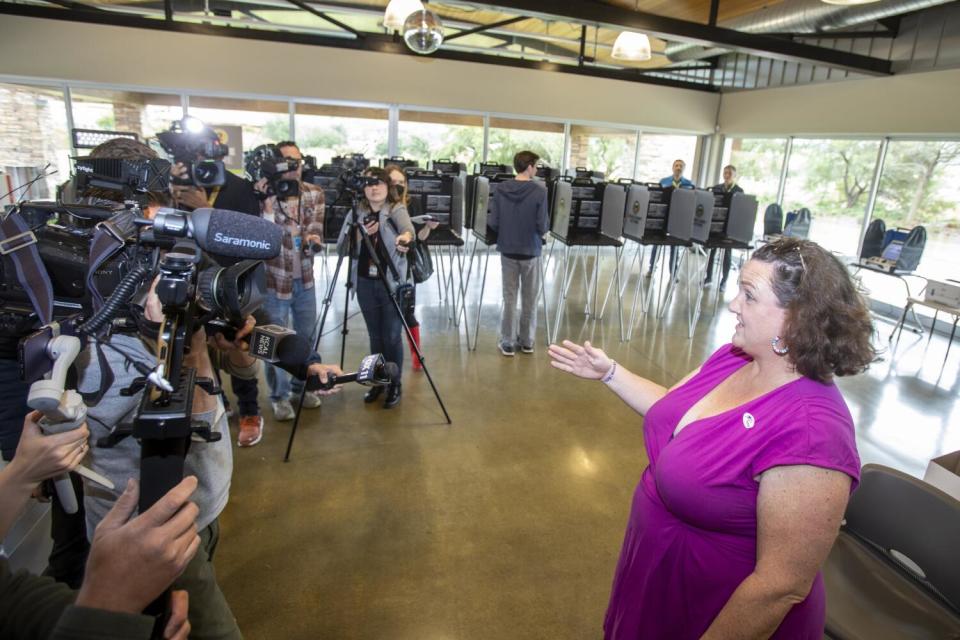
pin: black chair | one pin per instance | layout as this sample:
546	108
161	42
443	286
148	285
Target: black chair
894	571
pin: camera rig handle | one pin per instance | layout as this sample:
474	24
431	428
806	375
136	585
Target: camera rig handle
62	409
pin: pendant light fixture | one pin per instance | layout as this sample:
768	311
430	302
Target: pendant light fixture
630	45
397	12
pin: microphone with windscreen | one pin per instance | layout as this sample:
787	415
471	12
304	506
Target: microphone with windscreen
373	371
221	232
292	353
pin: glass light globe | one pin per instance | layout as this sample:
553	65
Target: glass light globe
423	31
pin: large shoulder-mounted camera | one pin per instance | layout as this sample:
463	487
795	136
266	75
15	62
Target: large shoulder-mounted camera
267	162
198	148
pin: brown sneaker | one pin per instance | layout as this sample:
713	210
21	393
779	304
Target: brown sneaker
251	430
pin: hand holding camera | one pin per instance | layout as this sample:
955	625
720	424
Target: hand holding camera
40	457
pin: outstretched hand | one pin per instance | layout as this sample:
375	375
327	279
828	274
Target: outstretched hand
582	361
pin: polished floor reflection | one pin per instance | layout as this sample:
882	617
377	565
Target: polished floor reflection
507	523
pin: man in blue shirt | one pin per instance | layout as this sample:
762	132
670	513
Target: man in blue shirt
677	181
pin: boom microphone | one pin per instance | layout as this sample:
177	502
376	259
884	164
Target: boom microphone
222	233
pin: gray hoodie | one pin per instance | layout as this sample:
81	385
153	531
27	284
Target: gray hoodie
519	215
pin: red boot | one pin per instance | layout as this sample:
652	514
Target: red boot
415	360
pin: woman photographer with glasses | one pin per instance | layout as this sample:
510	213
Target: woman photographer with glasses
398	180
385	220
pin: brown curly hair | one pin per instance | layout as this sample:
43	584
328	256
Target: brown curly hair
827	329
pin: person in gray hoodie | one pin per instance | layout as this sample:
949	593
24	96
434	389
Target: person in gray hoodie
519	215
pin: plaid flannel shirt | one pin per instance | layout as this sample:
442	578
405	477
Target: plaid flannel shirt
310	217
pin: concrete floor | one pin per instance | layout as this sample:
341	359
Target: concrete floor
507	523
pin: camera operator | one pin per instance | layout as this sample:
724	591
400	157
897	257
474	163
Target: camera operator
290	289
158	544
210	462
68	531
386	221
236	194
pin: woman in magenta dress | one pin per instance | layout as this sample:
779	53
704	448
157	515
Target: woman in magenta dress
752	460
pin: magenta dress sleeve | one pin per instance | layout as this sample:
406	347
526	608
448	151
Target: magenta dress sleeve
819	433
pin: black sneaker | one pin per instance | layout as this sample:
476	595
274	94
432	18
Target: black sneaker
507	349
526	349
372	394
393	397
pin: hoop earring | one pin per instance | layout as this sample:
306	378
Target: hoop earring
777	348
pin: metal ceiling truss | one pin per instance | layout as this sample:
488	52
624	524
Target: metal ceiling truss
369	42
615	17
588	13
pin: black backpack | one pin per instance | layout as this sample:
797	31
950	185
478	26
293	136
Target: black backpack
912	249
873	239
772	220
419	262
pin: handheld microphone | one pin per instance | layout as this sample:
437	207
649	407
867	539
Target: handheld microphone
222	233
284	348
373	372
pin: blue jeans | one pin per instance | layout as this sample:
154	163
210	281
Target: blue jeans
383	321
302	306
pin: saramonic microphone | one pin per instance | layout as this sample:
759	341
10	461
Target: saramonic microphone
223	233
373	372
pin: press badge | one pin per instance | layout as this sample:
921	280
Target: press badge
297	243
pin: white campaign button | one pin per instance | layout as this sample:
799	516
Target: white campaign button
748	421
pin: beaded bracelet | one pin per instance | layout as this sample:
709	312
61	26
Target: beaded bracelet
609	375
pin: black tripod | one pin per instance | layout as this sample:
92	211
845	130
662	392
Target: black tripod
355	228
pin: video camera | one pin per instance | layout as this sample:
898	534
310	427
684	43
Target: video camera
266	161
351	176
198	147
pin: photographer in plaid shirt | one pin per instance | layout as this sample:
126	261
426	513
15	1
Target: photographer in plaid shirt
290	292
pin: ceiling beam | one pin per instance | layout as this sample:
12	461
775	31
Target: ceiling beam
370	42
616	17
484	27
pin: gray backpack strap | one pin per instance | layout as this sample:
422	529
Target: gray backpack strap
19	243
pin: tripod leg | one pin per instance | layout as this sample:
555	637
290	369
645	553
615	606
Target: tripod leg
483	284
637	295
463	298
318	332
619	250
543	294
596	283
564	283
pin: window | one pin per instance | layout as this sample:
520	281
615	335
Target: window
920	185
243	124
832	178
658	152
759	162
600	149
509	136
325	131
36	135
426	136
125	111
